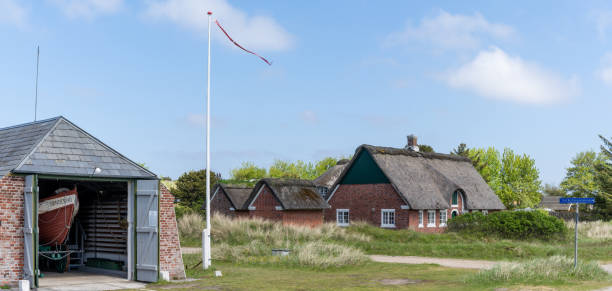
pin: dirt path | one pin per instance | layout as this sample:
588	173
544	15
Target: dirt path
451	263
191	250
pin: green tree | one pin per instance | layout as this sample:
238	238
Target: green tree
248	171
323	165
579	180
190	188
461	150
603	177
514	178
552	190
297	170
426	148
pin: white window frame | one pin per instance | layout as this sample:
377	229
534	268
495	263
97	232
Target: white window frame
382	216
445	212
338	211
485	212
429	221
421	218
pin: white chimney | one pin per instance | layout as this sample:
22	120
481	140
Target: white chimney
412	143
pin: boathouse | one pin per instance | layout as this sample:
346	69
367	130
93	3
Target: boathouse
125	224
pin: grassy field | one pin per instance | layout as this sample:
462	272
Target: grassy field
366	276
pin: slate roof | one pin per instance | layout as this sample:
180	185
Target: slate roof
552	202
330	176
427	180
293	194
236	194
58	147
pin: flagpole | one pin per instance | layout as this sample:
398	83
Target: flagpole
206	235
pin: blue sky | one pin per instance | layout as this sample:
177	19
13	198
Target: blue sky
535	77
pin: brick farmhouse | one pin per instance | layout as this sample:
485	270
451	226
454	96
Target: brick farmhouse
290	201
407	189
125	218
229	200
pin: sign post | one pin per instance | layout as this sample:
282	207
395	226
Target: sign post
572	200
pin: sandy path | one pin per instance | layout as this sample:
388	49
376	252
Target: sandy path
451	263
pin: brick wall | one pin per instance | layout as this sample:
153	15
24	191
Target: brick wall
170	257
365	202
11	229
220	204
265	207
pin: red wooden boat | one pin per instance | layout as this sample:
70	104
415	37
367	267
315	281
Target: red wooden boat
55	216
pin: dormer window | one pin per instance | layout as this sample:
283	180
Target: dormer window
455	201
323	191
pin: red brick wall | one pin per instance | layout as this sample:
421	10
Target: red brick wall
220	204
170	257
11	229
365	202
265	206
310	218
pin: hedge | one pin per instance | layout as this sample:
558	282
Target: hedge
510	225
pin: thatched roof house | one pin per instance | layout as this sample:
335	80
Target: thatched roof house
427	180
237	195
292	194
327	179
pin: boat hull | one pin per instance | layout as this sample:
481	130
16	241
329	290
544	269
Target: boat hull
55	216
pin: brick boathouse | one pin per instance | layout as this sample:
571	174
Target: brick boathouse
405	188
125	223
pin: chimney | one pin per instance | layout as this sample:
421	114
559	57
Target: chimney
412	143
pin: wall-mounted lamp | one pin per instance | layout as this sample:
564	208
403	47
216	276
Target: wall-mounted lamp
96	171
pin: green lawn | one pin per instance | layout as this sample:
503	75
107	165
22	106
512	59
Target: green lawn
368	276
453	245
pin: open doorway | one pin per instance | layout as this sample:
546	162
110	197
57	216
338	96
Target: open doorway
97	235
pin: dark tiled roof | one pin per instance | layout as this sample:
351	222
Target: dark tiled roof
58	147
427	180
237	195
552	202
293	194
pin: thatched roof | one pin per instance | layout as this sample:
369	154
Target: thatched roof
427	180
552	202
237	194
330	176
293	194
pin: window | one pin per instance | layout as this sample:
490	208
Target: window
323	191
443	217
387	218
420	218
342	217
485	212
454	213
455	198
431	218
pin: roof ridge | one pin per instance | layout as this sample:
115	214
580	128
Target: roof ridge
406	152
31	123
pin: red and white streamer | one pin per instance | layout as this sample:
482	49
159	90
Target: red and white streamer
238	45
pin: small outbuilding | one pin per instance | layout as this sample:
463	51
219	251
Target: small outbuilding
552	203
408	189
291	201
229	200
125	223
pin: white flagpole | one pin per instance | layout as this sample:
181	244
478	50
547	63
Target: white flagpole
206	234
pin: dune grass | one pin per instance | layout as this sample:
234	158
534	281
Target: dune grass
599	230
555	269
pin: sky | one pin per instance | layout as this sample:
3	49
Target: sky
533	76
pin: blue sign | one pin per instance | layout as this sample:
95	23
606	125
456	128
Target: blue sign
573	200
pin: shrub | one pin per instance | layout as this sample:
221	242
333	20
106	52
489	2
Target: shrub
510	225
555	268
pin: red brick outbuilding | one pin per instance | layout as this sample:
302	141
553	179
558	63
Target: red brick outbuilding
229	200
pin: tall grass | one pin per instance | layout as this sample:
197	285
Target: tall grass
593	229
555	268
190	226
252	241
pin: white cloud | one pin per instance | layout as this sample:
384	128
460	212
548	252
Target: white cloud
603	21
309	116
495	74
87	8
449	31
605	73
12	13
253	32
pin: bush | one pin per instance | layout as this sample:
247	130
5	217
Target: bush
510	225
555	268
